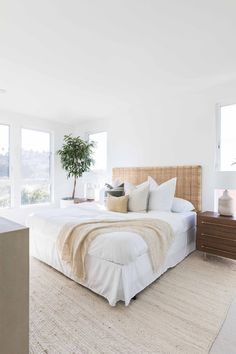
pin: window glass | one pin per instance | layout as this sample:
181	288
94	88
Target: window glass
35	193
35	166
228	138
5	187
4	151
226	146
5	195
35	154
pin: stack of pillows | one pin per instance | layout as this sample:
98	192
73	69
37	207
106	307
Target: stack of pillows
145	197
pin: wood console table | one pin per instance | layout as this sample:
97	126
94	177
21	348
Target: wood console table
14	288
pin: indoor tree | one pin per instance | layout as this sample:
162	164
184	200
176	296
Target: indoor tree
76	157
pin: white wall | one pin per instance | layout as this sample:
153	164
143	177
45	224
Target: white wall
171	131
62	187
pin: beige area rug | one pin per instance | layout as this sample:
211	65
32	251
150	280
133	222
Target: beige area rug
225	342
181	312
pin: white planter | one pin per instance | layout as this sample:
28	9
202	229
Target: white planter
66	202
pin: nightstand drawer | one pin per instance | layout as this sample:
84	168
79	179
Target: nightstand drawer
225	224
219	252
217	242
217	230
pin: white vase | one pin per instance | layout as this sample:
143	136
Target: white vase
226	204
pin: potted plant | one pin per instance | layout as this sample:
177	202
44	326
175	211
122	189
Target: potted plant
76	158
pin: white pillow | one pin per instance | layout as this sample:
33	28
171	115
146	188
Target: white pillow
128	187
152	183
180	205
138	197
161	198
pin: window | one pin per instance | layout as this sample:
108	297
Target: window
226	145
35	167
100	151
5	187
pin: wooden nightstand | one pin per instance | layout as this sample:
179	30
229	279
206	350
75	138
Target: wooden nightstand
216	234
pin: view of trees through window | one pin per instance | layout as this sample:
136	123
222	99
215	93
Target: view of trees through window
35	166
5	189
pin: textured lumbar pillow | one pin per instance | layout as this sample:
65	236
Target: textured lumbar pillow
138	197
161	197
118	204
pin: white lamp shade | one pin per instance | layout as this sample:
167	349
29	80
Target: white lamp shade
225	180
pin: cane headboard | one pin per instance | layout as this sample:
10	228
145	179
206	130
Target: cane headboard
189	179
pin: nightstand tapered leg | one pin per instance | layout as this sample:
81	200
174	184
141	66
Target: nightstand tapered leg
204	256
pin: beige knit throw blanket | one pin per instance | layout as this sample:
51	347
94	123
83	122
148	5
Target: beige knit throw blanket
74	239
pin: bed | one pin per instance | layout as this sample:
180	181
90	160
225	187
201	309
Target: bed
118	265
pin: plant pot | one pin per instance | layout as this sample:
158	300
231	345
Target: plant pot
65	202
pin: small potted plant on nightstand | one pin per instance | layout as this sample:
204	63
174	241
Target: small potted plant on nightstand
76	158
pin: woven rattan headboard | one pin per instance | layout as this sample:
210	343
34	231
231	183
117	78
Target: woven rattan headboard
189	179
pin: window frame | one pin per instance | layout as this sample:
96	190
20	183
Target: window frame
51	167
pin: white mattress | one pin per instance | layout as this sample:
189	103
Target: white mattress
118	265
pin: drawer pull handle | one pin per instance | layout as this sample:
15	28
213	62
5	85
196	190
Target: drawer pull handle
215	224
219	237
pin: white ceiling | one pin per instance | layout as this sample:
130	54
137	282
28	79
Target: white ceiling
85	59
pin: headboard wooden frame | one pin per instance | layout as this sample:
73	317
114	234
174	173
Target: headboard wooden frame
189	179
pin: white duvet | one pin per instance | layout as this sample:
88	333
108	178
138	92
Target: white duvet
116	247
118	264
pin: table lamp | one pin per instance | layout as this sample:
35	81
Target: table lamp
225	180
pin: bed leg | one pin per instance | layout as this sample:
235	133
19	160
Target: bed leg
134	298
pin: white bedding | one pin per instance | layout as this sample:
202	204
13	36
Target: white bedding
118	264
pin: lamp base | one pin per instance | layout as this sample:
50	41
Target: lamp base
226	204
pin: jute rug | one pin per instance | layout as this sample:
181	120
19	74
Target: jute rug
225	342
181	312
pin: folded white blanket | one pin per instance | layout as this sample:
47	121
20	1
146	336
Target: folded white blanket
74	239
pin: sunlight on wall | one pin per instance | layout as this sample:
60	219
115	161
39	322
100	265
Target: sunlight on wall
100	152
